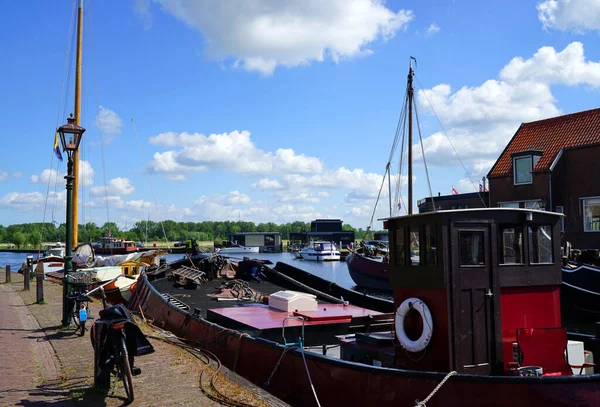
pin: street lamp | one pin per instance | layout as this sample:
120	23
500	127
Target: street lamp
70	137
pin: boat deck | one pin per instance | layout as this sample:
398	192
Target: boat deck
197	297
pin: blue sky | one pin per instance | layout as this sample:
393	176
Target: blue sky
275	111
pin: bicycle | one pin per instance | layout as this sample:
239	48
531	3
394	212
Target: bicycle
116	339
81	308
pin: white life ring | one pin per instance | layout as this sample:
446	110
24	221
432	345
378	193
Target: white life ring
405	341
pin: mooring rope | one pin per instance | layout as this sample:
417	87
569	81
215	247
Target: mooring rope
439	386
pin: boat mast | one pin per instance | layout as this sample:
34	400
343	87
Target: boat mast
78	67
410	106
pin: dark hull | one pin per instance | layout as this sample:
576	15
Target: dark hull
581	288
368	273
293	278
340	382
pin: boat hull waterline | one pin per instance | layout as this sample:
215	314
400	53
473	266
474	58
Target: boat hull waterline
256	359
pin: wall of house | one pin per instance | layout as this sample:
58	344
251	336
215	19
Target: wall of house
576	176
503	189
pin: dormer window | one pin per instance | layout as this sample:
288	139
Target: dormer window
523	165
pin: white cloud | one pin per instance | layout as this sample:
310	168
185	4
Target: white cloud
109	123
141	9
297	197
233	151
3	175
432	29
116	187
28	201
237	198
231	199
17	174
46	176
567	67
570	15
480	120
323	194
266	184
260	35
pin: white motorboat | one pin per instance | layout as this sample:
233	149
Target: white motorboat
320	251
237	250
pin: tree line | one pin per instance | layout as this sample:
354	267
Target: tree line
150	231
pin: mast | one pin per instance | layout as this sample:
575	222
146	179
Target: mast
410	106
78	67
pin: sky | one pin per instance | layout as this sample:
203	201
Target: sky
277	110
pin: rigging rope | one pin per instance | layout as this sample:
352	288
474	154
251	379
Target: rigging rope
150	183
423	154
450	142
100	132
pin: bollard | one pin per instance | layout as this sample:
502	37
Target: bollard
27	273
8	279
39	284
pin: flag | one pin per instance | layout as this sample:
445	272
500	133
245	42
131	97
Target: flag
57	148
480	187
454	191
399	205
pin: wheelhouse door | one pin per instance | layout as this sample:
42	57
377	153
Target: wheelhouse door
473	299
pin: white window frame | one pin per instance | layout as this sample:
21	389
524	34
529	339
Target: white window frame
530	157
583	207
510	204
561	209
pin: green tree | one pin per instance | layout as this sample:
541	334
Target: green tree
18	238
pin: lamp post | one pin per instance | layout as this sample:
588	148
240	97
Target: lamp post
70	137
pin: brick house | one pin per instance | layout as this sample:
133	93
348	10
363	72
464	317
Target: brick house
554	164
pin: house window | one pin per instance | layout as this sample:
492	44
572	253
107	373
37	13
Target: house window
561	209
540	244
591	215
522	169
400	247
511	245
471	248
534	205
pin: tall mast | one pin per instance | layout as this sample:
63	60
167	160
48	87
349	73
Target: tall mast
78	67
410	106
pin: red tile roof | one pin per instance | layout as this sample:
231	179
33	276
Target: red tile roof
550	136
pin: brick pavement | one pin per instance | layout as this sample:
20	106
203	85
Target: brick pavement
42	363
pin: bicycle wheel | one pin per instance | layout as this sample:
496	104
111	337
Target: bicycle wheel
75	313
124	370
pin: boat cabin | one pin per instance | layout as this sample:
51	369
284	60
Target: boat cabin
465	281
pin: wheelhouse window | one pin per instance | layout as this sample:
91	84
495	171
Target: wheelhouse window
591	215
430	239
540	244
472	251
400	247
508	204
511	245
561	209
415	246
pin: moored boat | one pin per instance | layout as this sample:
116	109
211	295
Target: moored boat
320	251
237	250
115	245
469	311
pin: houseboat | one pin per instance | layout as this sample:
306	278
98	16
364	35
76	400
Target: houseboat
477	322
115	245
320	251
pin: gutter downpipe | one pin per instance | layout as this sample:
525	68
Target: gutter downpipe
552	166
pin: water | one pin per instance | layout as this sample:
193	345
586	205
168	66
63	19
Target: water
15	260
336	271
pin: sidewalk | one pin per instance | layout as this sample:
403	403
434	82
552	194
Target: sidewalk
43	364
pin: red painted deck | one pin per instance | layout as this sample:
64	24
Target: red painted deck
262	317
